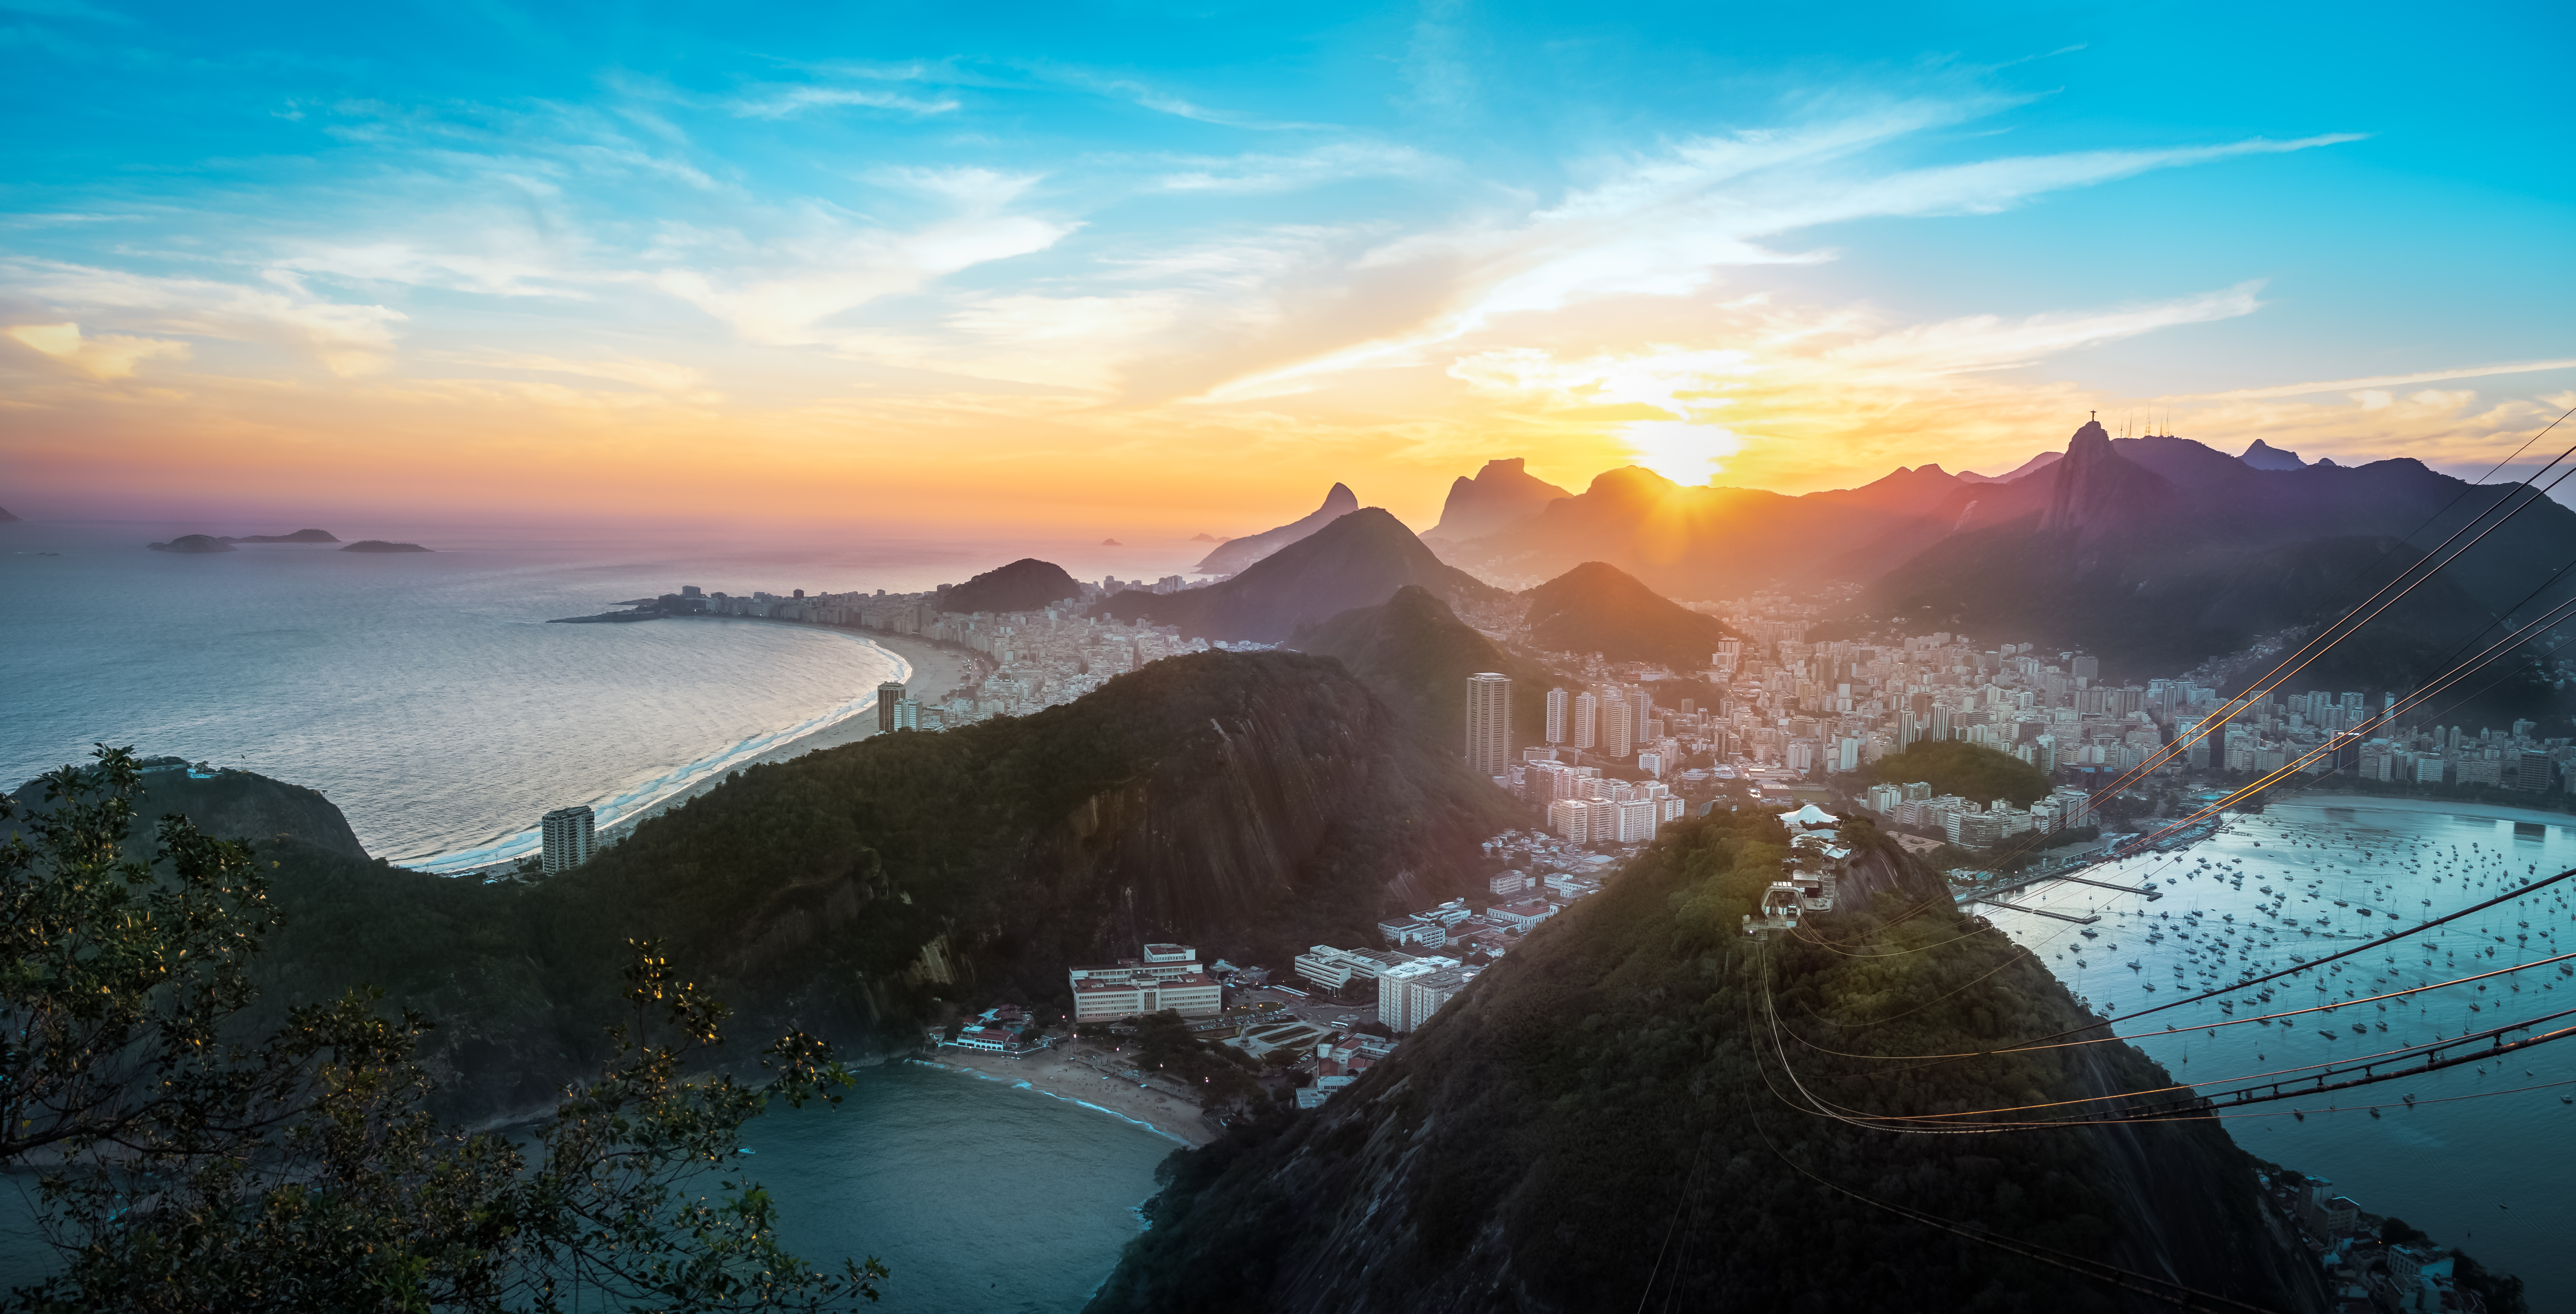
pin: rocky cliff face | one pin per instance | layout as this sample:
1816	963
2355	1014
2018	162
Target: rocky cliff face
1605	1120
2097	492
1501	494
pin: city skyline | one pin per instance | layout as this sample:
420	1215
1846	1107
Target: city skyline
1180	272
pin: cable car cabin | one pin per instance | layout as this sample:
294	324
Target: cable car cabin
1781	906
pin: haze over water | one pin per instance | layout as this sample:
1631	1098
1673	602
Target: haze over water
423	692
2336	870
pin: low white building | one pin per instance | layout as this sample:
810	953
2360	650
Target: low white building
1169	977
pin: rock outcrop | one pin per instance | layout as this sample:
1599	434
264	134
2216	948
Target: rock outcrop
1501	494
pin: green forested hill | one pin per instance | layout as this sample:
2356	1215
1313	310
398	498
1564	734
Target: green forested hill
1591	1127
1971	771
1600	608
1416	654
1251	804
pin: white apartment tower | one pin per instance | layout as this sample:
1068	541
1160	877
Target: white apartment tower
570	836
1618	738
1489	723
1559	708
1587	720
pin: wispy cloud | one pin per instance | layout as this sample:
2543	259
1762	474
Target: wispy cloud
99	356
279	311
2378	381
1337	162
785	102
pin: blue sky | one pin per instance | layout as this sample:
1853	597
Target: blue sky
1205	259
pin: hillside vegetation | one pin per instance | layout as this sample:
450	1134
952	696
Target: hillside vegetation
1416	654
1971	771
1250	804
1600	1123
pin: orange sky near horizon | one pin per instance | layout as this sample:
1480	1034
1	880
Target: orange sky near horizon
165	441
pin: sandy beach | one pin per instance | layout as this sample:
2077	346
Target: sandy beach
1062	1074
935	672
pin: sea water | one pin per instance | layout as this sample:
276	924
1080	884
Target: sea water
981	1198
425	694
2479	1159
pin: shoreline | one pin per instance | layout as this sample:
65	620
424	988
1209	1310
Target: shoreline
927	668
1053	1074
931	668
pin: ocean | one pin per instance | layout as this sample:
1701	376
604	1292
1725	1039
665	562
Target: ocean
423	693
980	1197
2477	1160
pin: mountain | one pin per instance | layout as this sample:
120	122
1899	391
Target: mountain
6	518
2264	457
1597	607
1024	585
380	545
1413	652
2159	552
1499	495
235	805
195	543
1606	1120
1359	560
299	536
1250	804
2031	466
1904	492
1710	542
1238	553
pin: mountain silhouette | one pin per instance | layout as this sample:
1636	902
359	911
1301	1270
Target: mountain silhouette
1024	585
1235	554
1597	607
1502	493
1357	560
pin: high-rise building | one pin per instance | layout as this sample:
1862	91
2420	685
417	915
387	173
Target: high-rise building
1560	709
1618	737
570	836
1641	710
889	694
1587	720
1571	819
1489	723
1409	993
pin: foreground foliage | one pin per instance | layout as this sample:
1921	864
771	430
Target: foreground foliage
189	1164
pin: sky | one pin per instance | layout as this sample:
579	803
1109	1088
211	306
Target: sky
1163	270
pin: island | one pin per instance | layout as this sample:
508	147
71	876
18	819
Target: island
224	543
379	545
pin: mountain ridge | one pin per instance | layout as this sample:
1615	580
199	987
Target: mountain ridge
1358	560
1236	554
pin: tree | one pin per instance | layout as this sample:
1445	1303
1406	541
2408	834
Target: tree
190	1169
